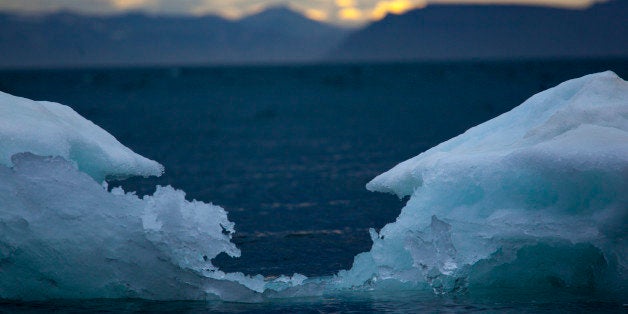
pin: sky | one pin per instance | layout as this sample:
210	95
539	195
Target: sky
342	12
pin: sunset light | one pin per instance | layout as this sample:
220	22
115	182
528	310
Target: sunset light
350	14
317	15
129	4
341	12
383	8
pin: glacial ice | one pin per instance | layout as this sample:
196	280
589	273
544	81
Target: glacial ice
535	198
63	235
50	129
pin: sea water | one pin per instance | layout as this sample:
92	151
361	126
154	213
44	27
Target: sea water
287	152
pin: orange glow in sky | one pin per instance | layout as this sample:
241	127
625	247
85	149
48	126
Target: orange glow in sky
350	13
385	7
129	4
317	15
344	12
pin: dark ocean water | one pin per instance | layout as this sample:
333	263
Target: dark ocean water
400	302
287	150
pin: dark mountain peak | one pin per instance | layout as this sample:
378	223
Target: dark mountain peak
464	31
274	13
462	7
281	17
611	5
278	9
284	20
278	34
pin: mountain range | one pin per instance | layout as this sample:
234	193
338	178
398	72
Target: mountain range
68	39
446	32
280	35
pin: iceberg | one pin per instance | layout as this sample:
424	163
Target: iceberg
64	235
534	199
50	129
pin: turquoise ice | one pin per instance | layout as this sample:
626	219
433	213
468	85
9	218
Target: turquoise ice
532	200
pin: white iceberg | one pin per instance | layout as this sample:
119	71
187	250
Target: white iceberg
534	198
63	235
50	129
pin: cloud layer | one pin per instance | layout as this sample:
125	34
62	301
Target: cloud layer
347	12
